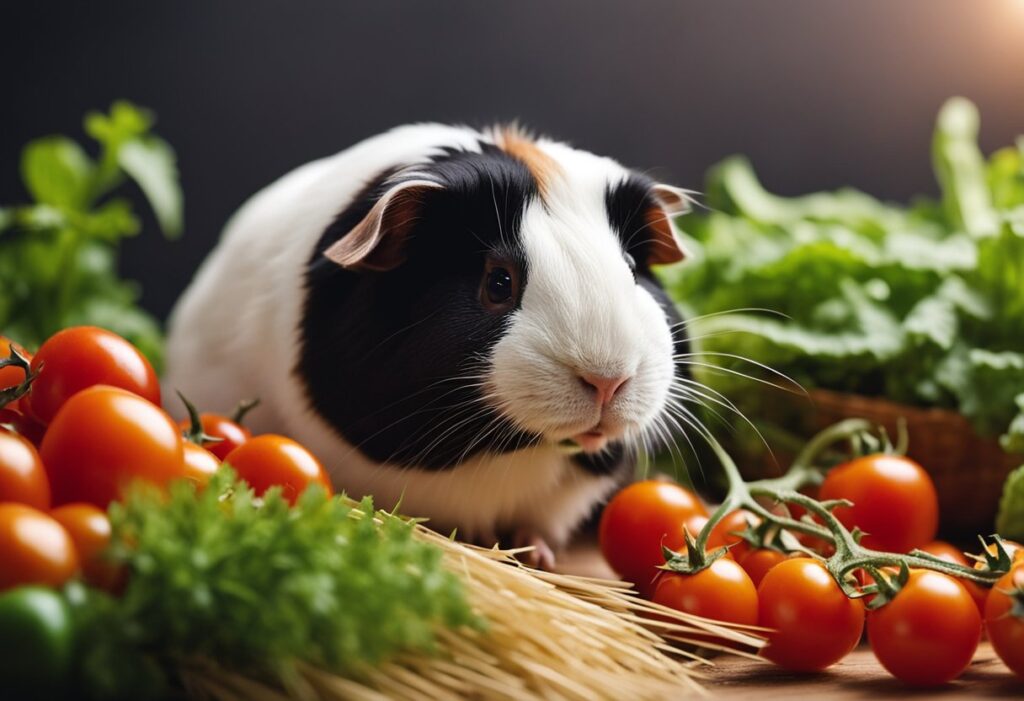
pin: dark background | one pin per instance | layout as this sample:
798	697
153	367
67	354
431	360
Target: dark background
819	93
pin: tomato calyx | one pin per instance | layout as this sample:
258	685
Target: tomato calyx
243	408
696	558
195	433
18	360
994	557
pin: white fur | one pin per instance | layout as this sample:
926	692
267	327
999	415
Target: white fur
233	335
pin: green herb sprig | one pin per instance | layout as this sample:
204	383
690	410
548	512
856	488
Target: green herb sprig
58	263
255	585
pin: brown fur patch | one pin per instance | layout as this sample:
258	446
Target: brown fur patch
518	144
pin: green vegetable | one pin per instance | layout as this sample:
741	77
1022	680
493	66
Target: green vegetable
1011	507
38	642
922	304
58	264
256	585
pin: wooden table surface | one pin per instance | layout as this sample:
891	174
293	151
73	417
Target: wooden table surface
859	676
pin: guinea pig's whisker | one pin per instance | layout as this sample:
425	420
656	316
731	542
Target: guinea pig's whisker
727	312
686	359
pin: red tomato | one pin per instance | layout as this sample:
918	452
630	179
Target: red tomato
813	624
105	437
200	463
23	425
80	357
11	376
928	633
89	529
34	548
894	501
950	553
231	434
757	563
22	477
638	521
1006	629
267	461
724	533
722	592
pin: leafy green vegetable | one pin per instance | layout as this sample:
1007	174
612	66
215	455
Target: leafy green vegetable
256	585
922	304
1011	507
58	254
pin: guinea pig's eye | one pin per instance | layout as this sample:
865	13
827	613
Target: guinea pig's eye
498	290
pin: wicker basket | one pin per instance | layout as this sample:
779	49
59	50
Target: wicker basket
968	470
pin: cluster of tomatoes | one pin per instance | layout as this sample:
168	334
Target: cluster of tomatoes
925	634
87	423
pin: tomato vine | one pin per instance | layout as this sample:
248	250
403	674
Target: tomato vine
757	496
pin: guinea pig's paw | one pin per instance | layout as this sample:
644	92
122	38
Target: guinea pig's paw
540	556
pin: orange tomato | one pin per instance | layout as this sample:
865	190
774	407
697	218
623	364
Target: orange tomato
34	548
757	563
200	463
894	501
1005	628
928	633
638	521
89	529
722	592
83	356
102	439
22	477
950	553
812	623
269	460
231	434
725	533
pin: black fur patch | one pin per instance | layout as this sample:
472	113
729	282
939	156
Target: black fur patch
393	360
627	204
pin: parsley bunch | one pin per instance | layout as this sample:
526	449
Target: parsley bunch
255	585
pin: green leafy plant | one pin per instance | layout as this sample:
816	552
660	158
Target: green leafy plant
221	577
922	304
58	254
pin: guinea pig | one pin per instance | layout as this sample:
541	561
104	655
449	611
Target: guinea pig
463	321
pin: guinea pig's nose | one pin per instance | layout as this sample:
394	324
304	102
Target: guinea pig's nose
604	387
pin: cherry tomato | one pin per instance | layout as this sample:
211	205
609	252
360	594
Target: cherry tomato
724	533
638	521
80	357
200	463
34	548
267	461
105	437
894	501
231	434
23	425
1006	628
89	529
813	624
950	553
22	477
757	563
928	633
722	592
11	376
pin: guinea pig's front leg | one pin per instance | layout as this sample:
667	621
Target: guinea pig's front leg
548	523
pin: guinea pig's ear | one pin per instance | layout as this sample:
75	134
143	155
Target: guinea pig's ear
666	246
377	242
